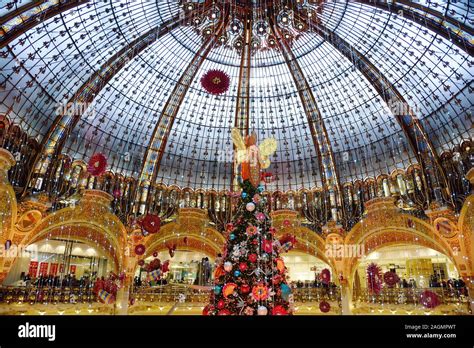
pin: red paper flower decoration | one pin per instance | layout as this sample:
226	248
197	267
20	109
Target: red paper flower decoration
141	263
325	276
324	306
166	266
391	278
140	249
429	299
151	223
97	164
215	82
279	310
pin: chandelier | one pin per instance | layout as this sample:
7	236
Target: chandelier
258	23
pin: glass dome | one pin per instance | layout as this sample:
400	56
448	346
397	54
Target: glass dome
127	58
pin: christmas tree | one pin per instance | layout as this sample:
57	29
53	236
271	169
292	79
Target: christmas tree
251	276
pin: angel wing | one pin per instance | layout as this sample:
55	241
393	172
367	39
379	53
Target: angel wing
237	139
239	143
267	148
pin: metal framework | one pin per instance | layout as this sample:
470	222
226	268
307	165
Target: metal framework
157	145
328	169
54	141
242	112
34	20
411	126
429	18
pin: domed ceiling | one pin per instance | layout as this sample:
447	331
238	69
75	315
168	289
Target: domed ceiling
136	66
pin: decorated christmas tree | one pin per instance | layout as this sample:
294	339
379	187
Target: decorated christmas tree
250	278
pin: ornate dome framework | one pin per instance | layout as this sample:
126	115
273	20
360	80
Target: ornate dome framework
367	88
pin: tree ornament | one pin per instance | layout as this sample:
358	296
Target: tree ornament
244	289
244	195
260	217
215	81
227	266
250	207
232	237
253	258
224	312
97	164
262	310
267	246
217	289
256	198
229	289
220	304
279	310
207	309
251	230
155	254
260	292
237	273
243	266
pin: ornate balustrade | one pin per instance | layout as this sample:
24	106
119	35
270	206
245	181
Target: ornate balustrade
132	198
46	295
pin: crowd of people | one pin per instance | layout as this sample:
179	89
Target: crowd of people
67	281
451	284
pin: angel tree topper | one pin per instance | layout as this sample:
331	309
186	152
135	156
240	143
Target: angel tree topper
252	158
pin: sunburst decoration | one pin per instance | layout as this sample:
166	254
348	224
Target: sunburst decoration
215	82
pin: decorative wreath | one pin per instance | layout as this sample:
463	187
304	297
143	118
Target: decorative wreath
140	249
391	278
325	276
151	223
215	82
97	164
324	306
429	299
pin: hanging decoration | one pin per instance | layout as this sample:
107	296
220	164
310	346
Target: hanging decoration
140	249
374	283
325	276
215	82
151	223
429	299
324	307
97	164
391	279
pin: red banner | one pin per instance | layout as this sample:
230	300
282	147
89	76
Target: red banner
33	269
53	270
43	270
73	269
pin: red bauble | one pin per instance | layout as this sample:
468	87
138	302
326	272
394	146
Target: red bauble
220	304
215	82
141	262
151	223
253	257
140	249
324	306
155	254
244	289
267	246
279	310
243	266
97	164
325	276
